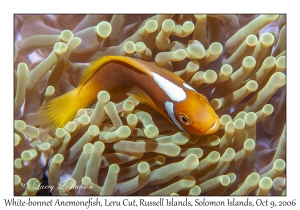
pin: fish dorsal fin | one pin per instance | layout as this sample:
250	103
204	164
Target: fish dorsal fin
94	66
142	96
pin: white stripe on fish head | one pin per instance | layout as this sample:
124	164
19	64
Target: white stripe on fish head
169	106
188	87
173	91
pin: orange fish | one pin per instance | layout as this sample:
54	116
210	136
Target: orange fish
152	85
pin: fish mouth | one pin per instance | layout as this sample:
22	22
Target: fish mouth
212	128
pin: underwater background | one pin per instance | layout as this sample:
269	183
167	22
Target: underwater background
125	148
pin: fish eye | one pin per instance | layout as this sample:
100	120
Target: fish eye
184	119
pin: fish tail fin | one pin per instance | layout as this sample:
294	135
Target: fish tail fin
59	111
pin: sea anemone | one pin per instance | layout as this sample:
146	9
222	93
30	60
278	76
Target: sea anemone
125	148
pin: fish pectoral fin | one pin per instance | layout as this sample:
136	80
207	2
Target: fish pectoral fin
142	96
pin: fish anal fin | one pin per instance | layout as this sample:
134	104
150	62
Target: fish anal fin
142	96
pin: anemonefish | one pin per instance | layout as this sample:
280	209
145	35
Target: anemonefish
152	85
